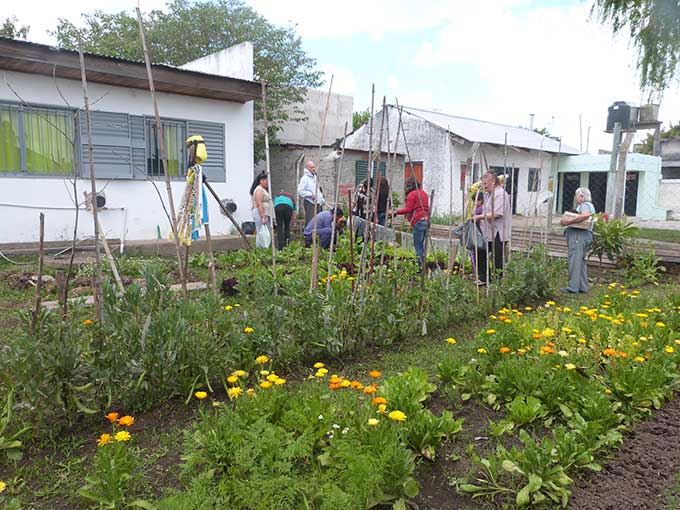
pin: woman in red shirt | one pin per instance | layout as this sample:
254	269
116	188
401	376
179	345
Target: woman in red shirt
417	212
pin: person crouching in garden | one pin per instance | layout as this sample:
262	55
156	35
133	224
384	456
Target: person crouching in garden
417	211
324	227
579	233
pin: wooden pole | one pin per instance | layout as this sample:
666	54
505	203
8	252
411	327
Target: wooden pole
351	236
41	262
335	204
97	280
164	155
450	262
390	167
620	191
211	259
314	277
109	255
269	177
377	190
244	238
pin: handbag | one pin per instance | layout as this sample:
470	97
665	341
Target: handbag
263	238
470	235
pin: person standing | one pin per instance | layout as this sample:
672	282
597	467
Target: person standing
579	240
283	208
495	224
383	191
261	205
310	193
417	211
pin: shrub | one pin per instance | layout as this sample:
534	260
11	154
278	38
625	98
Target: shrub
612	238
529	277
642	266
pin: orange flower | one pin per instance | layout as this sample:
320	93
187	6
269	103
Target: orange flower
87	322
504	350
623	354
370	390
126	421
334	386
335	379
379	400
375	374
112	417
537	336
609	352
357	385
545	349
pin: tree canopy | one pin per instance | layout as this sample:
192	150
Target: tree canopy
10	29
654	27
190	30
647	147
360	118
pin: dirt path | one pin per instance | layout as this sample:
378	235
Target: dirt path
641	471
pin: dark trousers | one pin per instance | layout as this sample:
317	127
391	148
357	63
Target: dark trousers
284	213
495	251
311	210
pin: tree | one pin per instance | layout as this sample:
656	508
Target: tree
10	29
360	118
190	30
647	147
654	27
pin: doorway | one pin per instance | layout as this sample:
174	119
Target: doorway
570	182
597	184
630	198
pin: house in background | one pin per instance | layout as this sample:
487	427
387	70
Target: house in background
669	187
41	124
440	147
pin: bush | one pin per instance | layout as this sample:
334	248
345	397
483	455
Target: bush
642	266
612	238
530	277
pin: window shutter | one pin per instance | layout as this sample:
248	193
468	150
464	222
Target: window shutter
361	170
111	145
138	146
213	135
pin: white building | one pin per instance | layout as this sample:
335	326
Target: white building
43	139
445	149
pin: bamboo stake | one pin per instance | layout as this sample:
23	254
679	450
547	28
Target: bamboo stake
450	264
97	280
269	177
109	255
351	237
38	285
335	204
377	191
164	155
69	270
388	222
314	277
396	145
211	259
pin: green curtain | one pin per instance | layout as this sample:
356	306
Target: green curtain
47	138
174	134
10	152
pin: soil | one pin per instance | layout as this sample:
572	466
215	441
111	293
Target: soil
641	472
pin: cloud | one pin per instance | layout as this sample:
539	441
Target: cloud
344	81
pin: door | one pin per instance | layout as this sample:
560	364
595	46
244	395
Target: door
414	168
597	184
571	181
630	199
510	182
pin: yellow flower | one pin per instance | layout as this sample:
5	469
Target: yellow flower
660	325
608	391
235	392
264	373
582	340
451	341
527	308
126	421
570	366
262	359
248	330
228	307
490	331
265	384
87	322
640	359
232	379
382	408
320	373
3	486
239	373
677	342
373	422
548	332
550	303
122	436
318	364
200	395
272	377
641	315
481	350
216	404
112	417
104	439
566	330
567	309
669	349
345	383
279	381
397	415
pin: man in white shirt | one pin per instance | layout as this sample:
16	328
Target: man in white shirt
312	197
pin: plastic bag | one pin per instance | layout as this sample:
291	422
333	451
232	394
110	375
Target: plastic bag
470	235
263	238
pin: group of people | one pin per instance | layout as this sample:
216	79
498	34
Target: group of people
492	214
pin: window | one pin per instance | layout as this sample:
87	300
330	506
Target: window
174	133
670	172
533	183
361	170
36	140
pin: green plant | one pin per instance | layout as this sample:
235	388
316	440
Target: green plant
611	237
529	277
9	442
525	409
642	266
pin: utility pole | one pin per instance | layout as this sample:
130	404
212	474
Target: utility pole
611	176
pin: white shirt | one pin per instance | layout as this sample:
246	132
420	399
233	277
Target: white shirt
307	187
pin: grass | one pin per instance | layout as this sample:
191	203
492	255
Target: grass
670	236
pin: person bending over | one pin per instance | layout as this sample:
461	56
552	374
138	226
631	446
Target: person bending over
324	227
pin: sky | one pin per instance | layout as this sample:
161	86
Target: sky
495	60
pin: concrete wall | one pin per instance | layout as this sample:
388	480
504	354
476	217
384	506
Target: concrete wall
669	198
234	62
134	209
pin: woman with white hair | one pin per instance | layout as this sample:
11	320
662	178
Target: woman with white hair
579	233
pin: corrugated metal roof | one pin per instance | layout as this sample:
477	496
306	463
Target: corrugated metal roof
490	132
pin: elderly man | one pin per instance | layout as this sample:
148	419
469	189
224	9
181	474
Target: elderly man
311	195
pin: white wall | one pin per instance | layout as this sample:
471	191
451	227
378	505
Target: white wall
22	198
669	197
235	62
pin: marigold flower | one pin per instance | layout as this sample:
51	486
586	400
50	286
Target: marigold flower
320	373
334	386
370	390
104	439
228	308
644	324
537	336
279	381
569	366
548	332
239	373
250	392
248	330
623	354
660	325
262	359
640	359
546	349
265	385
87	322
669	349
335	379
490	331
357	385
345	384
481	350
550	303
564	354
504	350
397	415
379	400
527	308
122	436
318	364
234	392
200	395
607	391
272	377
375	374
566	330
382	408
126	421
451	341
112	417
373	422
582	340
609	352
677	342
232	379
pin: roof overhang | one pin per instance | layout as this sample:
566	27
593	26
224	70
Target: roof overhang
46	60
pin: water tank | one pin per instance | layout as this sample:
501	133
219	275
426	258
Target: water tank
620	111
